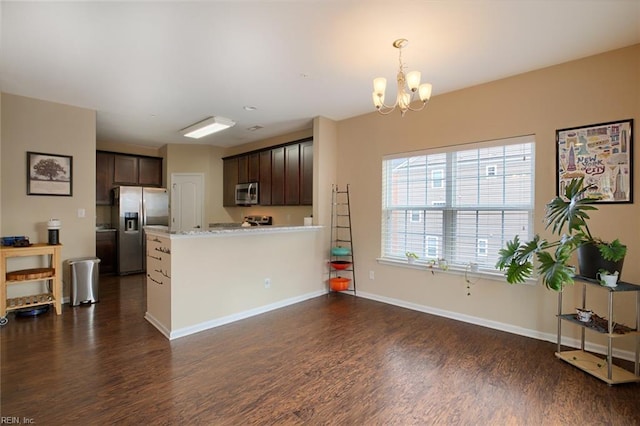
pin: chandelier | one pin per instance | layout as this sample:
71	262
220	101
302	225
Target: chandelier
410	81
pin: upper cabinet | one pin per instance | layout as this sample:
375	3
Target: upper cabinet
114	169
306	173
229	181
284	174
292	175
104	177
125	170
150	171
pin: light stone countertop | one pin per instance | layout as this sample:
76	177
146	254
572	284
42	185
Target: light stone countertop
163	231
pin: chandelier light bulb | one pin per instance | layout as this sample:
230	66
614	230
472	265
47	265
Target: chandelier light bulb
413	80
379	85
424	91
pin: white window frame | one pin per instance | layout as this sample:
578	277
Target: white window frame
451	226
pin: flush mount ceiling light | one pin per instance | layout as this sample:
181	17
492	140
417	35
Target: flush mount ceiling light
207	127
404	98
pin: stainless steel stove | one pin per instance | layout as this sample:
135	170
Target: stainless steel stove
252	220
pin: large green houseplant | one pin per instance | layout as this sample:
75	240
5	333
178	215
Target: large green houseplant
568	212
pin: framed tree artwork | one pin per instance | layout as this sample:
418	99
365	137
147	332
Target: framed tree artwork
49	174
602	155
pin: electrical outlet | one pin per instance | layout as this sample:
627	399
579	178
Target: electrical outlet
267	283
372	275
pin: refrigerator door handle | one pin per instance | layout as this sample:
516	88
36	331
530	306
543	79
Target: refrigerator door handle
143	212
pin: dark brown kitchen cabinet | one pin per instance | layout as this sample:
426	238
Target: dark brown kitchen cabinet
254	167
264	178
243	169
125	170
277	176
113	169
284	174
104	177
306	173
106	251
134	170
229	181
292	175
150	171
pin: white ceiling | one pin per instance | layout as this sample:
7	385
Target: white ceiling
150	69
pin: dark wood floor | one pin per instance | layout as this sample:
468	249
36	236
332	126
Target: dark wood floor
331	360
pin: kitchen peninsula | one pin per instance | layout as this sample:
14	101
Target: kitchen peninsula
198	280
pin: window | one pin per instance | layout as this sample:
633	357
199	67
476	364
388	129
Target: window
482	246
432	247
437	178
467	218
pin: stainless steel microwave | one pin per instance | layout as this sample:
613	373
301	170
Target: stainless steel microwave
247	193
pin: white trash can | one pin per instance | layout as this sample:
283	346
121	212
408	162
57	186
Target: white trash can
83	280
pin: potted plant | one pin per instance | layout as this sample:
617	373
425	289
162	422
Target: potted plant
607	278
570	211
411	256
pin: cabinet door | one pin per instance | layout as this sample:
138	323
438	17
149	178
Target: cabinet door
306	173
254	167
229	181
277	176
104	177
292	175
243	169
264	180
106	251
150	171
125	171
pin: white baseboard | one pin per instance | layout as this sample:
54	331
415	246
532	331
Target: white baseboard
509	328
157	324
185	331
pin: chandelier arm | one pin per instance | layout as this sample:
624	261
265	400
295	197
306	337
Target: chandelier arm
424	104
388	110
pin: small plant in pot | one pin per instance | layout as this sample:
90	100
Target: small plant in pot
552	257
411	256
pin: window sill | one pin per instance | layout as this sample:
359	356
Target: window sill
452	270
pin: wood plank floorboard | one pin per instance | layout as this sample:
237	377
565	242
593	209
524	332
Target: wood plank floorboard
332	360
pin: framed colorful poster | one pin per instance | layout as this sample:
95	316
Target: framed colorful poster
602	155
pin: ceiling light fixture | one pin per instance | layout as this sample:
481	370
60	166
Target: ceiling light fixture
207	127
404	98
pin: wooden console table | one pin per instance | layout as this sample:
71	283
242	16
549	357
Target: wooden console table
51	274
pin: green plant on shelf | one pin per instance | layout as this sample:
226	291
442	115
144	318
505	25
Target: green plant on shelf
569	212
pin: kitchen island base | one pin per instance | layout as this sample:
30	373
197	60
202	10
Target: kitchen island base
201	280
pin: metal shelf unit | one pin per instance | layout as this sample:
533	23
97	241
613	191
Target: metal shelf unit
341	236
603	369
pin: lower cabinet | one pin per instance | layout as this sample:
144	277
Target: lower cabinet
106	251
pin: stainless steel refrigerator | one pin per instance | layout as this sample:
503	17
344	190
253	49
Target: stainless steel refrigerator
136	207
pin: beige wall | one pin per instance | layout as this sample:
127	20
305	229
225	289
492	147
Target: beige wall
592	90
126	148
39	126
